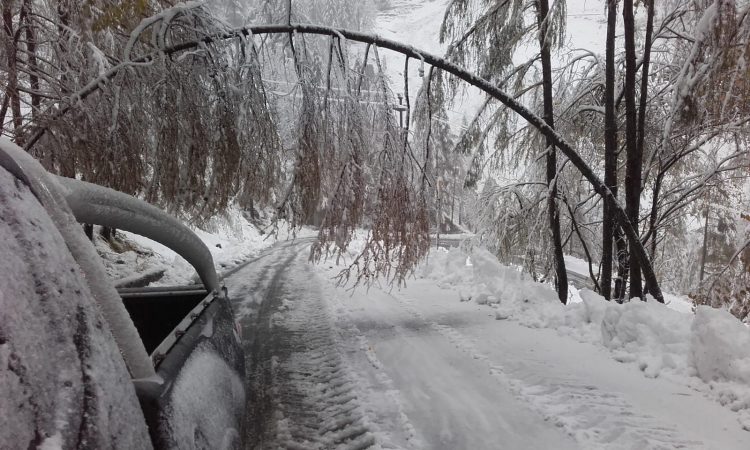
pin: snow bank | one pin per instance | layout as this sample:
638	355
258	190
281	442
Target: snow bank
648	334
720	354
708	350
480	277
720	346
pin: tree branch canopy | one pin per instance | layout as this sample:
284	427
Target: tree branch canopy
409	51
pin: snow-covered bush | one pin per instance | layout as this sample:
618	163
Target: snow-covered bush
730	288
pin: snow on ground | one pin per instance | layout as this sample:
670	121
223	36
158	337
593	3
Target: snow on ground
562	363
416	367
301	394
708	352
579	266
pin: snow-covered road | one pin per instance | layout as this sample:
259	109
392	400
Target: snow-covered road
416	368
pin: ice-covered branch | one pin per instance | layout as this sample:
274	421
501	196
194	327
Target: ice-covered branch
441	63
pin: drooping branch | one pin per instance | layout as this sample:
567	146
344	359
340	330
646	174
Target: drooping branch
328	76
409	51
408	105
364	68
577	230
429	128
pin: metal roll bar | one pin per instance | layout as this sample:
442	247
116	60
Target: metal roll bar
69	201
98	205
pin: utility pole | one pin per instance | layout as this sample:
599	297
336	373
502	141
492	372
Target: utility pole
400	108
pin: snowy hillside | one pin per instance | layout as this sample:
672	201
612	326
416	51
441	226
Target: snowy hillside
418	23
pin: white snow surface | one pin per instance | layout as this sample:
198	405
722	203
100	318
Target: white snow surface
417	367
564	362
708	352
196	420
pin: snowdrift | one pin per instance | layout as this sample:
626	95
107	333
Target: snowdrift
708	351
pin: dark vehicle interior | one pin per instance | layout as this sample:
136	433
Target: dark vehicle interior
156	311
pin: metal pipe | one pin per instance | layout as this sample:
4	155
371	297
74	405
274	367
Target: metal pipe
98	205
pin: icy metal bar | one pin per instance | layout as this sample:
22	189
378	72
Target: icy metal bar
98	205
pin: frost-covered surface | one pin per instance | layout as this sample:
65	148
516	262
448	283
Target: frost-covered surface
51	195
708	351
563	364
206	399
302	393
63	383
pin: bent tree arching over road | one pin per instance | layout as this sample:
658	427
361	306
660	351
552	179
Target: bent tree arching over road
410	52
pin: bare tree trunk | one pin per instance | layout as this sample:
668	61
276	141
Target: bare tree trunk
654	214
65	165
634	159
4	108
704	250
108	233
31	51
623	257
453	198
610	151
88	229
561	276
642	113
12	88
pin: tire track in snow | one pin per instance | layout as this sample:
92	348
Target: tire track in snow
596	419
374	380
301	395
